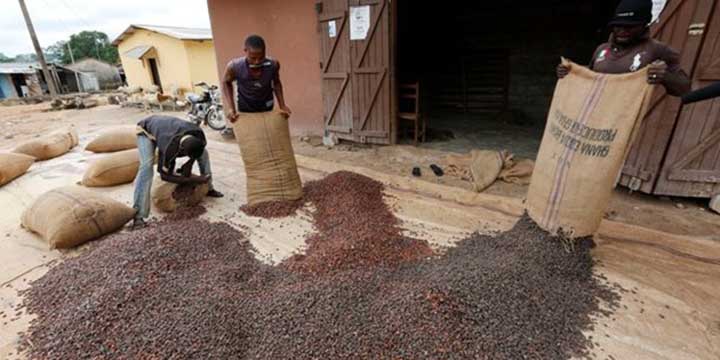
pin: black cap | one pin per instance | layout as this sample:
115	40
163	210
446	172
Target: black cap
633	12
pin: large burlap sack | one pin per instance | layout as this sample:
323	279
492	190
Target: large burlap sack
118	139
267	152
591	124
13	165
70	216
49	146
163	195
113	169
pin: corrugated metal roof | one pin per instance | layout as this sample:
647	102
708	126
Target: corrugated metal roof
138	52
19	68
182	33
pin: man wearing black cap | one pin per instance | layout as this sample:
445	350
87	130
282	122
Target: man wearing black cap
173	138
630	49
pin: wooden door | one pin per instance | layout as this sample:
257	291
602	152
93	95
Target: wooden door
692	165
371	78
335	67
644	162
356	77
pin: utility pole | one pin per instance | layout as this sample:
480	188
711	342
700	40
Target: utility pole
38	51
72	60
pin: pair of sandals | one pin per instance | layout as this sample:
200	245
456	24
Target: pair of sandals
435	169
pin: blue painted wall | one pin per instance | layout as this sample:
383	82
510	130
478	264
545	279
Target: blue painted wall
7	89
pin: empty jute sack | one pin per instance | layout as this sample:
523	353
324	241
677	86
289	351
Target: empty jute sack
113	169
591	125
70	216
13	165
118	139
167	196
267	152
49	146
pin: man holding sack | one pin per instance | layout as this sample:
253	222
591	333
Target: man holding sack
174	139
262	132
257	78
631	48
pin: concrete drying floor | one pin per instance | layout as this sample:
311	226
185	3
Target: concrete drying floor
669	311
482	131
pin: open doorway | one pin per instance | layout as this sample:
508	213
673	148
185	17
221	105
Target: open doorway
19	82
487	69
155	73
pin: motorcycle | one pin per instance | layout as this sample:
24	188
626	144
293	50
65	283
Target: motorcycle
207	107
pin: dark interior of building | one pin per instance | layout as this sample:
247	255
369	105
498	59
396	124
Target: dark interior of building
18	82
487	69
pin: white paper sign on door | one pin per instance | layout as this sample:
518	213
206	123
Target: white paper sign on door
332	29
359	22
658	7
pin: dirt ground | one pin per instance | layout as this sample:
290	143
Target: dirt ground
668	266
674	215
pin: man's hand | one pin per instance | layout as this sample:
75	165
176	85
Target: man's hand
195	179
657	72
232	116
284	109
192	179
562	71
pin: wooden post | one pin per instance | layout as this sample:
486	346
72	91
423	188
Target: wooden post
72	60
38	50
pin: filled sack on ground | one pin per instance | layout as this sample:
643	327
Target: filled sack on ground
13	165
590	127
49	146
483	167
113	169
70	216
167	197
118	139
267	152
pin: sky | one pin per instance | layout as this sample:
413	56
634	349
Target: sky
56	20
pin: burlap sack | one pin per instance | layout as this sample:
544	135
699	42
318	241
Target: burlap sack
267	152
117	139
591	124
517	172
163	199
485	168
113	169
70	216
49	146
13	165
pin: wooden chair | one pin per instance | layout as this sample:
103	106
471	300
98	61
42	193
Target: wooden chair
410	96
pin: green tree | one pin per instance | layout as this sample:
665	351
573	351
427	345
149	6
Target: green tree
4	58
85	44
54	53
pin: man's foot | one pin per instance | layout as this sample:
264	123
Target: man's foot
214	194
228	133
138	224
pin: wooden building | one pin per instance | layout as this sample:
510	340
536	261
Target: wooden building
27	80
343	61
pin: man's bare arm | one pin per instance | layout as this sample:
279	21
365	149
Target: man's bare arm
179	179
227	92
278	88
